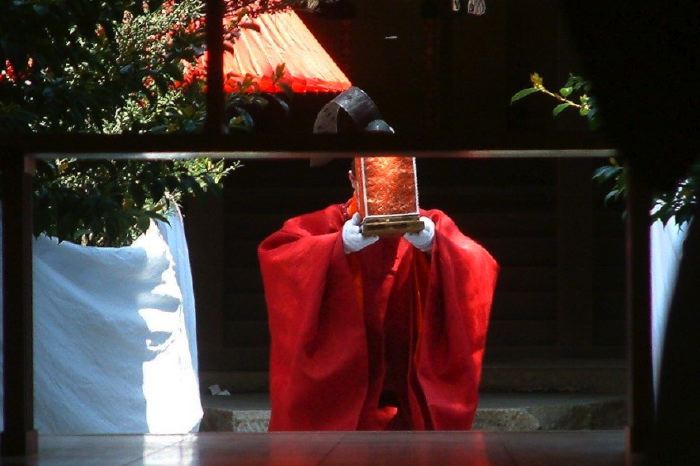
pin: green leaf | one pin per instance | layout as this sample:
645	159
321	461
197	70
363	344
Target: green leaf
143	222
583	111
560	108
160	129
40	10
280	102
126	69
593	122
577	82
606	172
190	126
523	93
158	216
566	91
612	196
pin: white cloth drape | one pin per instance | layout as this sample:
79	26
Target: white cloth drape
115	346
666	253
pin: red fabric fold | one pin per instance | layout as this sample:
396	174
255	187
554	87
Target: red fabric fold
386	338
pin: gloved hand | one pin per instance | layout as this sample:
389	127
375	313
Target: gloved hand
353	240
423	240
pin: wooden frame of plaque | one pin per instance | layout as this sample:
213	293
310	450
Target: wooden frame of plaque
387	191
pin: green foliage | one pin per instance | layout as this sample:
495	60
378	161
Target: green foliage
110	203
679	202
109	67
52	66
612	174
574	94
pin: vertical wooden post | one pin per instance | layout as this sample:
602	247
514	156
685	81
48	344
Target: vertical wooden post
446	71
638	276
574	256
215	67
205	235
19	436
431	32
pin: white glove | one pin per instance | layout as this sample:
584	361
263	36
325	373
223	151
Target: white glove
353	240
423	240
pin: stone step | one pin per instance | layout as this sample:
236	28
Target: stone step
505	375
250	412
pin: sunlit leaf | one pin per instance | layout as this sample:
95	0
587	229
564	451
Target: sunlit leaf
523	93
560	108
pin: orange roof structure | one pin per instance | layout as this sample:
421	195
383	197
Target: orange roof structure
282	39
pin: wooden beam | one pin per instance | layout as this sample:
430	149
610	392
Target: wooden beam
456	145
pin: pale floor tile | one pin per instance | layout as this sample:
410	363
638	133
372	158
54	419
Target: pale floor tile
420	448
248	449
581	448
95	450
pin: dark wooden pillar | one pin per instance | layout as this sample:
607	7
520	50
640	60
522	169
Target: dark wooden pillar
215	67
574	256
638	276
204	223
446	72
19	436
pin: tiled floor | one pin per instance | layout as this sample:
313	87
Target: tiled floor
592	448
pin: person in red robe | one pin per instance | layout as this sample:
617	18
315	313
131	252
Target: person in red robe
374	334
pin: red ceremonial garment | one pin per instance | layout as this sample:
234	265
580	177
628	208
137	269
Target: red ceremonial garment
385	338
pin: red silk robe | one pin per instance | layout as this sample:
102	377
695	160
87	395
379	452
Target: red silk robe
385	338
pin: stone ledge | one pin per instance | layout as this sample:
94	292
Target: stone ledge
230	420
497	412
604	376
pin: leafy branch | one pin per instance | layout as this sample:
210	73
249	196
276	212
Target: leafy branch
575	86
678	203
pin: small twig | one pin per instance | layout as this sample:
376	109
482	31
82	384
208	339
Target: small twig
560	98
